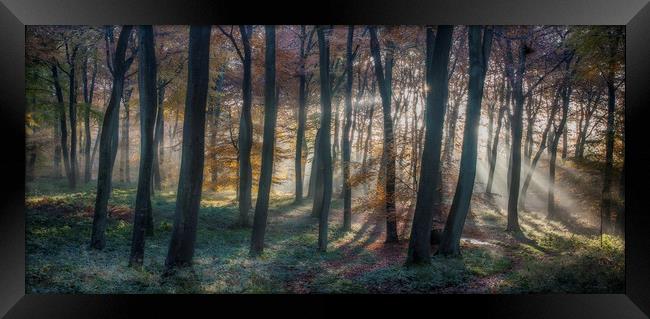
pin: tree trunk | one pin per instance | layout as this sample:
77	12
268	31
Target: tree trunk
538	155
245	133
450	140
314	171
384	80
428	199
215	112
158	140
606	197
565	145
148	107
268	145
347	191
566	96
72	178
125	167
494	151
63	126
302	116
514	174
108	141
366	144
56	164
88	100
480	42
323	190
188	197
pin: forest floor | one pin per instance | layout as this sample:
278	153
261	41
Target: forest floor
565	255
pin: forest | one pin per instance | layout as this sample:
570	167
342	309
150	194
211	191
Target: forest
325	159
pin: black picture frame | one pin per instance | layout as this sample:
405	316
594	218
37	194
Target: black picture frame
634	14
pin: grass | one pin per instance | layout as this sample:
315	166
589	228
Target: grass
59	261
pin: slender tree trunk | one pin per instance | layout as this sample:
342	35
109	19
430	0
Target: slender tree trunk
491	107
215	112
538	155
73	122
126	127
95	147
147	93
366	144
480	42
157	140
313	175
561	131
188	197
427	205
56	167
347	191
606	197
384	80
88	100
268	145
302	116
450	140
323	189
63	126
514	174
565	145
494	151
245	133
108	140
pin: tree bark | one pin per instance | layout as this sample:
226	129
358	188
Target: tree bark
428	199
566	96
125	167
480	42
108	140
148	99
514	174
188	197
245	132
384	80
268	145
63	126
494	151
159	134
302	115
347	191
72	110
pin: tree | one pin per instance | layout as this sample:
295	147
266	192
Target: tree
125	171
565	93
515	75
148	99
188	196
63	127
347	192
384	81
514	165
480	43
428	201
109	135
494	148
88	93
323	183
245	139
303	90
268	146
542	146
71	51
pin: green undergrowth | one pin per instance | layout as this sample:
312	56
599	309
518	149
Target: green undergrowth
58	224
